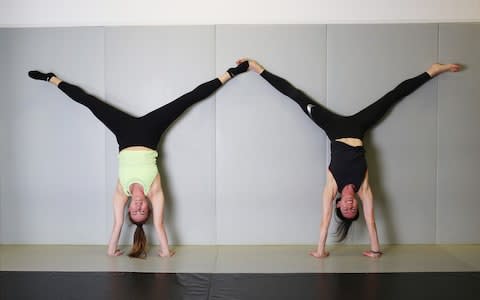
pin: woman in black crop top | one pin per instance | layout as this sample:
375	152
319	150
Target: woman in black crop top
347	173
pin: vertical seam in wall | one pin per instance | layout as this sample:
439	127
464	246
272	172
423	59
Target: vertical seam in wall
2	168
437	141
3	153
105	164
215	137
326	91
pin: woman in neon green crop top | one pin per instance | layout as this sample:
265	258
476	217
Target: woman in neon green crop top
137	139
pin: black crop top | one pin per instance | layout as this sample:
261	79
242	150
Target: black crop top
348	164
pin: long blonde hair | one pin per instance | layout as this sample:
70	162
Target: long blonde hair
139	240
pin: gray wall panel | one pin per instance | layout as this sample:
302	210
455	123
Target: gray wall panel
245	166
364	63
270	156
459	136
4	34
54	171
148	67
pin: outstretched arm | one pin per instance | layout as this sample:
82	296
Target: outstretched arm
366	195
157	198
119	202
329	193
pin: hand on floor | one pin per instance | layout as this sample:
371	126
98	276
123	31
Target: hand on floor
372	254
117	252
170	253
319	254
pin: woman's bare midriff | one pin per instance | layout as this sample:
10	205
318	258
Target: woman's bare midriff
354	142
136	148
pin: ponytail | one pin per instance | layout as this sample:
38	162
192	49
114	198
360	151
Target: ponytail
139	242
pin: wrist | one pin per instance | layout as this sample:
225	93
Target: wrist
117	225
111	251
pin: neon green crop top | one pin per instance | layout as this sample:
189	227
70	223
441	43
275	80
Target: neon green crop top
137	166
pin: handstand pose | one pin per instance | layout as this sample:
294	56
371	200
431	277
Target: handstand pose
137	139
347	173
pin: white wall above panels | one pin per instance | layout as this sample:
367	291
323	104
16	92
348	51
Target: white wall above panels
51	13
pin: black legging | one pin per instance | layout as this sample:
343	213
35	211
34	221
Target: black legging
142	131
354	126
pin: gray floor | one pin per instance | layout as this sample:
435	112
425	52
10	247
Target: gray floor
244	259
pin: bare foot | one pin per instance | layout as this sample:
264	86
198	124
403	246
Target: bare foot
436	69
